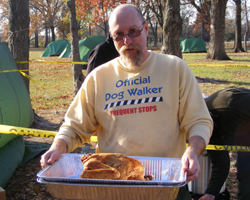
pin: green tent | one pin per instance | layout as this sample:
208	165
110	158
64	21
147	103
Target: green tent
85	47
15	110
55	48
66	52
192	45
181	39
15	105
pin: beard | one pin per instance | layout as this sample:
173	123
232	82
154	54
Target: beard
132	60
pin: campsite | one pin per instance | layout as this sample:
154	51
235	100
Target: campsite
44	52
51	98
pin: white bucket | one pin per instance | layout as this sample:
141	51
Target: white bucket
199	185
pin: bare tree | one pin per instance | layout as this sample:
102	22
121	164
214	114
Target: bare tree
203	17
238	40
153	24
154	28
78	76
247	28
172	27
217	31
19	33
167	13
187	13
63	27
35	25
49	11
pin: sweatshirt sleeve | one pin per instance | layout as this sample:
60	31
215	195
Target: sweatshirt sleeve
194	116
80	122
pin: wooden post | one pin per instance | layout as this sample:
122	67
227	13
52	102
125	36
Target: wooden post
2	194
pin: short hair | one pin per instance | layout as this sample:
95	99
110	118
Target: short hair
140	15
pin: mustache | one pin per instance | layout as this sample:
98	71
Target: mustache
132	46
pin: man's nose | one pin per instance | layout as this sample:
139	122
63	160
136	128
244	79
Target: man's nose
127	40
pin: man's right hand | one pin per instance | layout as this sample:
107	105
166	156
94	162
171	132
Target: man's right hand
206	197
53	154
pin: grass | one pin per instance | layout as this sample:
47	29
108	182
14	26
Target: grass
236	58
220	77
57	81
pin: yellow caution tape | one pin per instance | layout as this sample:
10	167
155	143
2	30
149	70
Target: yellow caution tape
93	138
21	72
26	131
220	65
85	63
43	61
5	129
226	147
27	76
22	62
13	70
60	62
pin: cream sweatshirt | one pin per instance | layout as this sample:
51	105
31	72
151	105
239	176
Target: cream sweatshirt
150	111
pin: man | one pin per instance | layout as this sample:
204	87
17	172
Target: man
142	103
230	110
102	53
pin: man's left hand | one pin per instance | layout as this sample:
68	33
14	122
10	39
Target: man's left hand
190	157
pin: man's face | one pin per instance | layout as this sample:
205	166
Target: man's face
132	48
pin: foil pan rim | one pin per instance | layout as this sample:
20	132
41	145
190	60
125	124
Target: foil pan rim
181	180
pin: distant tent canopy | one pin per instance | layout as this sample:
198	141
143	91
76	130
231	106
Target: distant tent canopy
66	52
85	47
181	39
192	45
55	48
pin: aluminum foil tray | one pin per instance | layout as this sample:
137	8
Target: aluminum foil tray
78	191
167	172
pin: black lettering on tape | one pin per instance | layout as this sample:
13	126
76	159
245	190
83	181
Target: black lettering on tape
12	130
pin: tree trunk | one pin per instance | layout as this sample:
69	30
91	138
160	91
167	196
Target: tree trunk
155	36
202	30
217	33
245	40
46	37
172	27
90	32
78	77
203	8
154	31
106	26
19	28
238	40
63	35
247	28
36	39
52	28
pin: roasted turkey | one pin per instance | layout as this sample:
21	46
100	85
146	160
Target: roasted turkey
112	166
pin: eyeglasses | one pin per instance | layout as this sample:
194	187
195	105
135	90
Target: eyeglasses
132	34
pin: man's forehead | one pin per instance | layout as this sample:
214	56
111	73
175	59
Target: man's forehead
123	15
124	23
116	26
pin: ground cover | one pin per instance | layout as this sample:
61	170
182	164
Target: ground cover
51	98
214	78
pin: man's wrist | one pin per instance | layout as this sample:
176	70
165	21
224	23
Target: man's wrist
61	145
211	196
